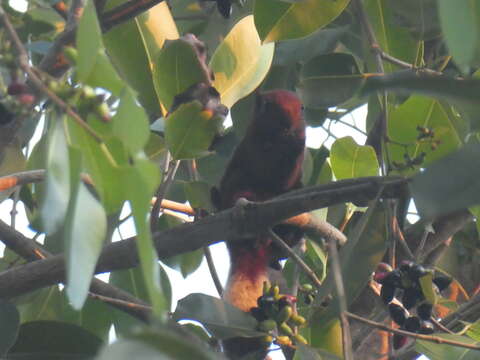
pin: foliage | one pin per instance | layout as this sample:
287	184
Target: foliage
135	108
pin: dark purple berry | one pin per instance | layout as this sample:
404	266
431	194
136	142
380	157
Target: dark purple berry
424	311
406	265
387	293
397	313
412	324
380	277
258	314
416	272
265	302
426	328
393	278
410	297
442	282
286	300
399	341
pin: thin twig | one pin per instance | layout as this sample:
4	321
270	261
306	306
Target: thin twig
118	302
297	259
35	80
162	190
342	302
434	339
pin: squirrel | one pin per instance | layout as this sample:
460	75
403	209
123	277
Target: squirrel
266	163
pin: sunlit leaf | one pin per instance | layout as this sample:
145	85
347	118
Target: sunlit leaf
282	20
240	62
141	39
189	130
350	160
436	351
55	203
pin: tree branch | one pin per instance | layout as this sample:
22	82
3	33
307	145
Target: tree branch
32	251
244	220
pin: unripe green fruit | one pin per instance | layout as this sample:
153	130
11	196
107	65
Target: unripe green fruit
285	329
284	314
300	339
297	320
267	325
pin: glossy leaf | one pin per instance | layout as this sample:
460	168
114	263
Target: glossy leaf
9	324
219	317
158	344
189	130
100	165
448	129
85	232
420	17
89	41
437	192
12	161
349	160
177	67
240	62
130	123
460	22
474	331
393	39
436	351
329	80
141	39
132	281
282	21
142	180
361	254
57	194
53	340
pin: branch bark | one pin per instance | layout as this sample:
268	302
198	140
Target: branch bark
244	220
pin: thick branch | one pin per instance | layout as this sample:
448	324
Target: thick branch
242	221
31	251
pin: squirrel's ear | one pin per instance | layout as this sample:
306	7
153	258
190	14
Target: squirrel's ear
215	197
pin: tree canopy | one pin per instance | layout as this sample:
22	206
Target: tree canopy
132	101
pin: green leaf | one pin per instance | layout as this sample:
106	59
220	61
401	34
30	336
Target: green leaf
12	160
132	281
219	317
89	42
130	123
446	351
329	80
198	195
140	38
100	165
57	194
282	21
420	17
9	324
177	67
448	127
189	130
461	25
474	331
361	254
305	352
394	40
427	286
53	340
141	181
350	160
437	192
240	62
85	233
104	75
156	345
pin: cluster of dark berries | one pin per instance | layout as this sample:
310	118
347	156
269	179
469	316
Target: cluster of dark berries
404	283
276	317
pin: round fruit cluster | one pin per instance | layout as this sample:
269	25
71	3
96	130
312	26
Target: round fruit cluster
276	316
405	283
